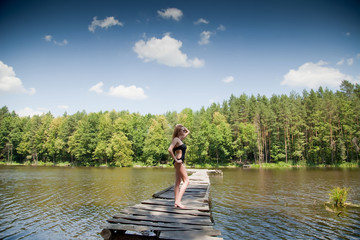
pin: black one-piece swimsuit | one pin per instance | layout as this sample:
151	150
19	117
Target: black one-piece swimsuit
182	147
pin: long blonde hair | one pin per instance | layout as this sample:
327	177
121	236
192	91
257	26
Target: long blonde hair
177	129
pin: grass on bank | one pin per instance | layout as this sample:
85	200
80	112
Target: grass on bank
303	164
40	163
277	165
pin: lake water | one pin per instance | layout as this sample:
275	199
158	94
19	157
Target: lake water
72	203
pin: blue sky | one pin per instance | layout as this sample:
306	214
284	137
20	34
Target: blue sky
153	56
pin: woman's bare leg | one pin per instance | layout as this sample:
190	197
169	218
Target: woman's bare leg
185	178
177	183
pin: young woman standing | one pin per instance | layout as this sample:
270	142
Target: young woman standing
177	151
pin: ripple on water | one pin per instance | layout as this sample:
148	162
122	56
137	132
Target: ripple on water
282	205
72	203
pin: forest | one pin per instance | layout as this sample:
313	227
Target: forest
318	127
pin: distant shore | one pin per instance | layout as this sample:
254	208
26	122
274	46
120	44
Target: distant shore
278	165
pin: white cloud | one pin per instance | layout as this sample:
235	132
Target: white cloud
205	37
314	75
97	88
221	28
348	34
29	112
106	23
165	51
228	79
48	38
350	61
201	20
9	83
63	43
173	13
132	92
341	62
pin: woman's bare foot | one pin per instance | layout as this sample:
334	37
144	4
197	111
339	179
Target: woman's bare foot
179	205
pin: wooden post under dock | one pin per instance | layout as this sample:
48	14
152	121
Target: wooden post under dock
157	218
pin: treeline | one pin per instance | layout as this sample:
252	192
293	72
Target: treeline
319	127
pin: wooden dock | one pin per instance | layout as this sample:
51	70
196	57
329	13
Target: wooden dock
157	218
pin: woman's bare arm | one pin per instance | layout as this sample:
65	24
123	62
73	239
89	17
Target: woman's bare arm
187	132
171	149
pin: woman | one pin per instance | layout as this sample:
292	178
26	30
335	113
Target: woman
177	151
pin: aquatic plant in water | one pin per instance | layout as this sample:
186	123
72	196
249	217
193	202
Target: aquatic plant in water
338	196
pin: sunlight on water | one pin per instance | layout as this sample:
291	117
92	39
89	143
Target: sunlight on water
72	203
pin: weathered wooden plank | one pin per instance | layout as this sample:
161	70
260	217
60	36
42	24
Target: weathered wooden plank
162	219
194	234
197	185
200	182
190	186
212	232
190	205
168	226
128	227
157	213
188	236
155	195
170	202
170	195
188	210
149	227
200	178
189	189
170	210
180	235
206	197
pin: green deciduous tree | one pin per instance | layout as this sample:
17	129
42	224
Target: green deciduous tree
54	144
156	141
83	142
318	127
246	142
119	150
220	140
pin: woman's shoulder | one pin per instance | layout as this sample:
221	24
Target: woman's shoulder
177	140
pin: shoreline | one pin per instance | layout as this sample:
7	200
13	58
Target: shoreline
279	165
